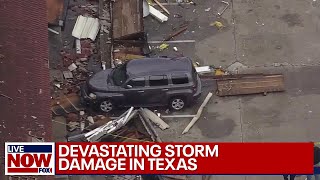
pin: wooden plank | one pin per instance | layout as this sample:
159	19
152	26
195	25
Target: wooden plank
231	76
127	18
250	85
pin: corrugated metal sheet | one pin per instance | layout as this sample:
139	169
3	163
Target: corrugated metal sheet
24	72
86	27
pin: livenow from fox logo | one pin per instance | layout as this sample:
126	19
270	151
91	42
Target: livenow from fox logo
33	158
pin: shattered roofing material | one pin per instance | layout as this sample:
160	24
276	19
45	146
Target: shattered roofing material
86	27
24	72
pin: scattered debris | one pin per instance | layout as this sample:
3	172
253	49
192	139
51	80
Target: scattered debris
90	119
217	24
138	129
194	120
276	64
34	117
207	10
204	69
6	96
81	113
154	118
250	84
162	7
224	9
73	125
53	31
193	3
110	127
78	46
181	30
58	85
219	72
72	67
103	65
163	46
157	14
175	49
177	16
86	27
67	74
146	11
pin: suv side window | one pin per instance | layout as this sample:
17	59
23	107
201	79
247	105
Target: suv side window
137	82
180	79
158	80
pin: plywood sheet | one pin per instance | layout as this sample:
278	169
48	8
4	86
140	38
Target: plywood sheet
250	85
127	18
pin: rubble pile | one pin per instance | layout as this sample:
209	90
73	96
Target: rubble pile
79	53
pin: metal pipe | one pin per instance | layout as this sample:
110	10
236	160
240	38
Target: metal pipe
227	5
53	31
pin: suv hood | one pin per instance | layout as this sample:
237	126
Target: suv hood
100	81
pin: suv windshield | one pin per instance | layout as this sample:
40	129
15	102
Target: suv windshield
119	75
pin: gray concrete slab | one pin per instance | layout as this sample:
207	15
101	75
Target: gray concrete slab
269	37
276	31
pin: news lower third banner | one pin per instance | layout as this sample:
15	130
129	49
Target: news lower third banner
159	158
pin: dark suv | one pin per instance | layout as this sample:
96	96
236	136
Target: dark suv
144	83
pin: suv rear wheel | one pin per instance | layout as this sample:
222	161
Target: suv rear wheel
177	103
106	105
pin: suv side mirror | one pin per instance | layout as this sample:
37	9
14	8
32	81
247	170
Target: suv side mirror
128	86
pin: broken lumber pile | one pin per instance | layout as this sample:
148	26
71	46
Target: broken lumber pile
146	113
250	85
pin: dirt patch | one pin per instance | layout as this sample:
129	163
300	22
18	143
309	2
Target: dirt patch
292	20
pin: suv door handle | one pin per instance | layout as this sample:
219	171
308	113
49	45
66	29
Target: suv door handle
140	91
165	89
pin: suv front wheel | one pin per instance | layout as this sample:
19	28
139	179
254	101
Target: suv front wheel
106	105
177	103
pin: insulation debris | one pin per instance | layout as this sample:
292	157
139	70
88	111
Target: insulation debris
157	14
86	27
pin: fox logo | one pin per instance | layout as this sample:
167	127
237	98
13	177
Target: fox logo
29	158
